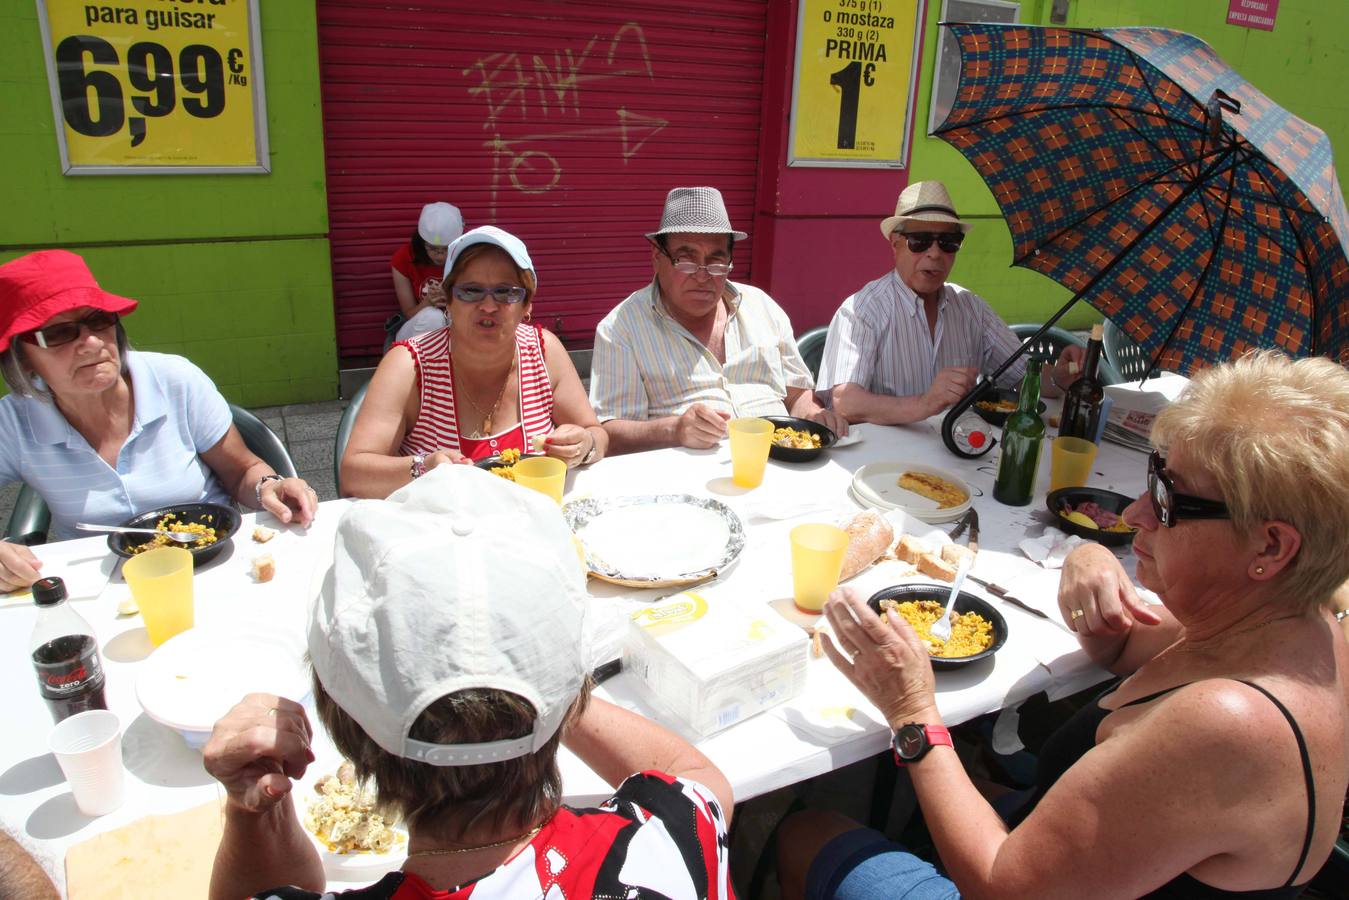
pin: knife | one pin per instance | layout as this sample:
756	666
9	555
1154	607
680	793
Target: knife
1000	592
971	516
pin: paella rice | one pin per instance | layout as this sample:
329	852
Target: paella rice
971	633
170	523
796	439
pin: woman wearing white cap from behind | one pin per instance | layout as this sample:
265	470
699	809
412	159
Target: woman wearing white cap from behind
453	695
489	383
418	267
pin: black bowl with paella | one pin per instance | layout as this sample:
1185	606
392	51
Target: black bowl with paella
1106	504
217	525
994	636
788	453
996	404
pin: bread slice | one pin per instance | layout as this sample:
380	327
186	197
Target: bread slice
262	534
955	554
909	549
934	566
264	567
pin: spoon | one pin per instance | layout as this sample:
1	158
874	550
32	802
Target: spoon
941	628
182	537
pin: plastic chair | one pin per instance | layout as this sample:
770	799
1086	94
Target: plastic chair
30	520
1124	355
344	434
811	345
1053	342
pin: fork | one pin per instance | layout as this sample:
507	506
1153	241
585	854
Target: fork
941	629
182	537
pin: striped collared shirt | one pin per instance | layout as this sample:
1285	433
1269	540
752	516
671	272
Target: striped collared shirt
646	365
879	339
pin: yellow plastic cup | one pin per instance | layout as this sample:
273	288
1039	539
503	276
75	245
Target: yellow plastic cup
817	560
545	474
750	440
1070	462
161	584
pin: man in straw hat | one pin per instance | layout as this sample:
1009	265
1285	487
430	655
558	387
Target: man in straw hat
452	697
910	344
683	355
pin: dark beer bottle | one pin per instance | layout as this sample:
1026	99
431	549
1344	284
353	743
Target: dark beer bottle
65	653
1083	400
1022	436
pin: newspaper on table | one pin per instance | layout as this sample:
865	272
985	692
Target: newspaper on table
1135	405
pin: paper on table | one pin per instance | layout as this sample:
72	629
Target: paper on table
1051	548
831	707
85	576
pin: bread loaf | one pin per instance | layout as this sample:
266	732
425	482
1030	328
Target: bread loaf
869	535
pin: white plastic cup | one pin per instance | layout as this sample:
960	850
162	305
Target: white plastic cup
88	747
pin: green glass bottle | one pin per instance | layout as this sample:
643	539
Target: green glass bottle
1022	436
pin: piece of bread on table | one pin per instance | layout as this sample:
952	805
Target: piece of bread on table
909	549
264	567
955	554
934	566
262	534
869	535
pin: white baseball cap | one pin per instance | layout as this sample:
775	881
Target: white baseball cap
490	234
459	580
440	224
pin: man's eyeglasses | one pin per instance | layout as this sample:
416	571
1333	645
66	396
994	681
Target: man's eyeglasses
920	241
689	267
505	294
1170	507
65	332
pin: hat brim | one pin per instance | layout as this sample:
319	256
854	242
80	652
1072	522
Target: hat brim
469	238
79	297
889	225
738	235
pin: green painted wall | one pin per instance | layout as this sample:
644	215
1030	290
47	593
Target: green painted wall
232	271
1300	65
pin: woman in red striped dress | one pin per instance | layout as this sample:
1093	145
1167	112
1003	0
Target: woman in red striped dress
500	384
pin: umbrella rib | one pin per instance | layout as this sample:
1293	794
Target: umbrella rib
1012	114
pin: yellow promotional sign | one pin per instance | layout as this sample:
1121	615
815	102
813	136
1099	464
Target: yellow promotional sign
855	79
156	85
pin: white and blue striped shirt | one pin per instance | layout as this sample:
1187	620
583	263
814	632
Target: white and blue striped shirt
178	414
879	339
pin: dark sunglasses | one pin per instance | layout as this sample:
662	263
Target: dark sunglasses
505	294
920	241
1170	507
65	332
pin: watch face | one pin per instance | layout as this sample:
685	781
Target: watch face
909	742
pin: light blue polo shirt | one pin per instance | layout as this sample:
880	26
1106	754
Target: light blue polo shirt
179	414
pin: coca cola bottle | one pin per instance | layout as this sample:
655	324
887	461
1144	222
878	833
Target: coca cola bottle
65	653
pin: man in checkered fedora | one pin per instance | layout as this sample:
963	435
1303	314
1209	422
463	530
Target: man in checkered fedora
910	344
679	358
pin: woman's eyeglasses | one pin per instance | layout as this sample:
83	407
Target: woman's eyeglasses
1170	507
505	294
689	267
65	332
920	241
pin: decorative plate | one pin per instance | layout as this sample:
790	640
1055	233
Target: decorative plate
656	540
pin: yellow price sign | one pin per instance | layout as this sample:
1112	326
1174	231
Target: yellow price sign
855	79
156	85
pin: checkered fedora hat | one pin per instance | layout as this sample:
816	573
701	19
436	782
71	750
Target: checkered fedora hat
696	210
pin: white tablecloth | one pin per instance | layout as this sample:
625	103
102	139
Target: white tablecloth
831	725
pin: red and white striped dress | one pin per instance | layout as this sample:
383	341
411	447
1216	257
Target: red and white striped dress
437	425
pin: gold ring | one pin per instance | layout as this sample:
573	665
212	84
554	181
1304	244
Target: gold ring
1078	613
272	711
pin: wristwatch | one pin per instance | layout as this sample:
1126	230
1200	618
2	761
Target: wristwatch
912	741
257	488
418	465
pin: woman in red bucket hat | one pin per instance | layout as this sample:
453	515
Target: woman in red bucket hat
103	432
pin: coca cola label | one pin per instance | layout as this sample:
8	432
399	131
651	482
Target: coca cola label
68	666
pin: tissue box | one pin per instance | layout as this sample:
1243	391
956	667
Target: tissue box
713	662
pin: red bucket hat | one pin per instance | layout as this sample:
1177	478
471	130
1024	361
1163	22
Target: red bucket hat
35	287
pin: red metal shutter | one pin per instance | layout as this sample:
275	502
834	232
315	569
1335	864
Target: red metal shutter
563	122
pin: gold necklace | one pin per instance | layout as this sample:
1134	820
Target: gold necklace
485	429
449	851
1218	638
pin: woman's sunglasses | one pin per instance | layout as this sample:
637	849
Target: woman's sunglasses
920	241
1170	507
65	332
504	294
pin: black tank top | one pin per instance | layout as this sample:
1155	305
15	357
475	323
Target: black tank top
1077	736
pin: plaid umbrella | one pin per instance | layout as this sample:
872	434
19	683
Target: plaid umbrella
1140	171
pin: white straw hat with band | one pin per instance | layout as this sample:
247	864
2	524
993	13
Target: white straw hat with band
458	580
695	210
440	224
924	202
490	234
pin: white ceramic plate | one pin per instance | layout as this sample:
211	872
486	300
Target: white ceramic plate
194	678
656	540
362	867
877	485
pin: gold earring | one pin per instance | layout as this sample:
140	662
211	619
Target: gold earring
1259	570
